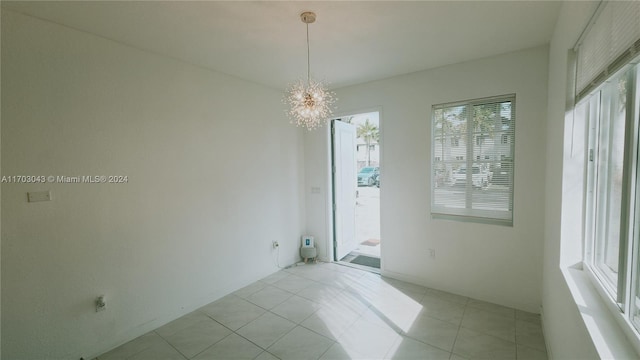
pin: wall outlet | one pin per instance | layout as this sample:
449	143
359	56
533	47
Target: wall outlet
100	303
432	253
276	244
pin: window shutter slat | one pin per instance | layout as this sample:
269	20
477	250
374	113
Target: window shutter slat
609	43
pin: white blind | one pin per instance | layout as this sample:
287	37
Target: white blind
610	42
473	159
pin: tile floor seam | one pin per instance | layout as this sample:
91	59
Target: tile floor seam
358	296
221	324
265	349
432	345
321	355
168	343
459	327
301	321
324	336
210	346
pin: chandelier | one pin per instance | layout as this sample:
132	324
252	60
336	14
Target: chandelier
309	101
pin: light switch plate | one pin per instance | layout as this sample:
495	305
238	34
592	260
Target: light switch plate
39	196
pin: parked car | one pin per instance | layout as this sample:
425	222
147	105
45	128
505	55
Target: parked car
479	177
366	176
376	180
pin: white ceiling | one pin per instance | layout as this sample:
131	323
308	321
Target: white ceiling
351	42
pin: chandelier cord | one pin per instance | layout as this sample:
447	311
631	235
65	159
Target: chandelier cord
308	59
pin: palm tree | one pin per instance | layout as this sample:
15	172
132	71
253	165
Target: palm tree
369	133
446	128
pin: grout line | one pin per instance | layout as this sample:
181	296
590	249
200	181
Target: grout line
168	343
464	311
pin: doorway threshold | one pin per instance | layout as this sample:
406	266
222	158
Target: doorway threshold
359	267
362	262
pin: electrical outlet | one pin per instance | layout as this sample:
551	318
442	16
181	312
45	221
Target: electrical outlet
276	244
432	253
100	303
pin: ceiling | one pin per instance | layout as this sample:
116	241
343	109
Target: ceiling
351	41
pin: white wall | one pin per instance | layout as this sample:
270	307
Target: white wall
214	176
494	263
564	329
0	208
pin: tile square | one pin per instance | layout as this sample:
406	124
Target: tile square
527	353
493	308
293	283
338	352
399	318
528	317
328	323
133	347
160	351
457	357
319	293
265	355
345	303
231	347
296	309
490	323
300	344
462	300
409	349
269	297
440	309
250	289
321	275
276	276
368	340
339	280
266	329
406	286
530	334
438	333
233	311
475	345
192	340
181	323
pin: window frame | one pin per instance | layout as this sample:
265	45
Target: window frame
468	214
622	296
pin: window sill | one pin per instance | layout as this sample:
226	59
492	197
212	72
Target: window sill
609	337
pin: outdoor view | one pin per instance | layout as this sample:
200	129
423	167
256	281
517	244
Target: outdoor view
473	159
367	214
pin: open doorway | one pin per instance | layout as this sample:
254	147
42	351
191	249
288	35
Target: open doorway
356	188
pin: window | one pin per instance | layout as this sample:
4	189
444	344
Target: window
607	86
485	193
612	186
505	138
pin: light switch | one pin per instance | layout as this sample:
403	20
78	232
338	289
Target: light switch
315	190
39	196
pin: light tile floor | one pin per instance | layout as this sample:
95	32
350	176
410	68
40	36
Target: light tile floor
329	311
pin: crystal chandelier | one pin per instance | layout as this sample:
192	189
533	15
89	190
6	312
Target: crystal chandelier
310	102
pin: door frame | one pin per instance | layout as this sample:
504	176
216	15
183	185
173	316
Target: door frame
330	247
